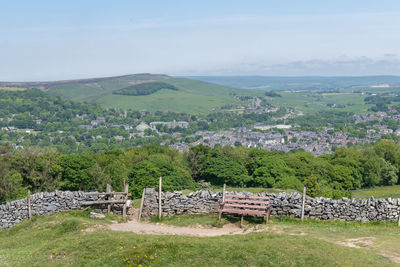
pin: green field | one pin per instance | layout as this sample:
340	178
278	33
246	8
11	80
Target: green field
312	102
378	192
10	88
62	240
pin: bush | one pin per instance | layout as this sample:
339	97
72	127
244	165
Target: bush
290	182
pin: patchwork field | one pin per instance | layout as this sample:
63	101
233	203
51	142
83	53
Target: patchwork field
72	239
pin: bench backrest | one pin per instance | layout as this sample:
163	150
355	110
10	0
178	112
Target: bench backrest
241	202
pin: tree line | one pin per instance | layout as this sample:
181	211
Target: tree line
332	175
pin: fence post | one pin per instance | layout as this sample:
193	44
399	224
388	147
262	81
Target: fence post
29	205
159	197
303	204
126	190
223	193
398	223
108	190
141	205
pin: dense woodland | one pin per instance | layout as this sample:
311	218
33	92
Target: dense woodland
333	175
145	88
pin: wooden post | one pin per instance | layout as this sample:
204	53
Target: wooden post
223	193
398	223
159	197
141	205
304	203
399	219
241	221
223	200
108	190
126	189
29	205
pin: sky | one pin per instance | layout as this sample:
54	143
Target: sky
53	40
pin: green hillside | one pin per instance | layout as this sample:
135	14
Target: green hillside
91	89
193	97
190	96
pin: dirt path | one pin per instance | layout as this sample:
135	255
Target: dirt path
162	229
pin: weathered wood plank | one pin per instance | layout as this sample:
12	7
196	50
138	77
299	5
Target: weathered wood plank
263	207
246	197
126	189
107	194
88	203
245	201
245	212
108	190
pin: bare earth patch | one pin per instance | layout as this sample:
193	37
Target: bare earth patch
357	242
367	243
162	229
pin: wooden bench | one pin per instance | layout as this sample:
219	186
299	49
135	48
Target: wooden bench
245	205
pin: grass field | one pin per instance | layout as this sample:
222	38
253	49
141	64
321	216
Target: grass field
378	192
10	88
61	240
311	102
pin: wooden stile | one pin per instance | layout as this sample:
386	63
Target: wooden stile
111	198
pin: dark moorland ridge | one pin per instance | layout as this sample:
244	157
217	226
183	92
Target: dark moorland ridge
47	84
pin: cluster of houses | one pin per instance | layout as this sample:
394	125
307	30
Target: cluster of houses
318	143
279	137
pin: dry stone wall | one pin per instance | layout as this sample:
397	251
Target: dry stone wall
46	203
282	204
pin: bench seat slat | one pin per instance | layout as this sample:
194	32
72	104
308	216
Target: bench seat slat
246	201
246	206
250	212
247	197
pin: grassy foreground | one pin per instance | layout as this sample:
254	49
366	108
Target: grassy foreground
61	240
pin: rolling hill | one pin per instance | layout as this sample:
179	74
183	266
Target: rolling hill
176	94
287	83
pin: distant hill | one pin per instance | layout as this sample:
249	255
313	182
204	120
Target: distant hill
150	92
300	83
